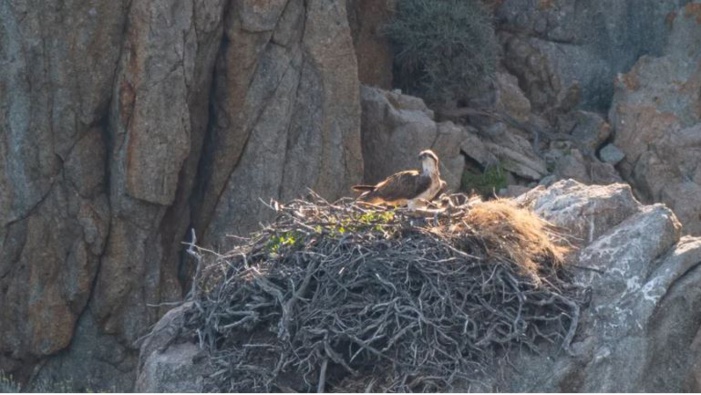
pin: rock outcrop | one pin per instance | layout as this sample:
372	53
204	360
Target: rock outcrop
555	45
124	124
634	334
657	122
286	114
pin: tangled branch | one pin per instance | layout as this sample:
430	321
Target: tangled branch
349	297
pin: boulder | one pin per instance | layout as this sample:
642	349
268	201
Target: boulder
585	212
167	364
611	154
587	129
587	170
510	99
513	151
516	155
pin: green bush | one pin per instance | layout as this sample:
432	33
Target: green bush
444	49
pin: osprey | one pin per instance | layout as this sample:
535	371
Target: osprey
409	187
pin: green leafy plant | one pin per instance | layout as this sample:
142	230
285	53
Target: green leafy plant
485	183
444	49
278	242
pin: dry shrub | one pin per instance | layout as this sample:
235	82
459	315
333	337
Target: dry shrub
349	297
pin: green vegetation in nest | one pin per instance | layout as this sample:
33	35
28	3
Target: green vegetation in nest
362	298
444	49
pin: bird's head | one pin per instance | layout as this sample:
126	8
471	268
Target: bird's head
429	161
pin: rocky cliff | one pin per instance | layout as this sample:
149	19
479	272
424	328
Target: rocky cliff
125	124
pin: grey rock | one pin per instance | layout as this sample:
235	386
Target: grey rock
585	170
510	99
109	146
475	148
611	154
172	371
589	130
655	114
587	212
566	42
516	155
166	365
635	334
58	62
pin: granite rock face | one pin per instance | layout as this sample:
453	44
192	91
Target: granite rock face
372	48
123	124
286	119
636	333
555	45
656	117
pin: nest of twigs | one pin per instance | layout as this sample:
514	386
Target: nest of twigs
348	297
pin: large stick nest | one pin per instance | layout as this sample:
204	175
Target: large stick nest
347	297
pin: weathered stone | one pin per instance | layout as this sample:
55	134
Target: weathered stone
656	115
561	43
635	333
535	75
475	149
94	362
58	62
588	130
105	110
510	99
585	170
586	212
367	19
159	121
169	366
611	154
286	119
516	155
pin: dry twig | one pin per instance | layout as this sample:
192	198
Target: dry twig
346	295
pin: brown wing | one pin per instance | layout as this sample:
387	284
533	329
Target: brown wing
398	188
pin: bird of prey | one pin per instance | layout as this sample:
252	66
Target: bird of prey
409	187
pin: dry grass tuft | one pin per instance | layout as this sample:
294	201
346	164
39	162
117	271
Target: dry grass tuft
515	233
341	296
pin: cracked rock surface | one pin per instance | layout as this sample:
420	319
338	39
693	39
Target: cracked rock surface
124	123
